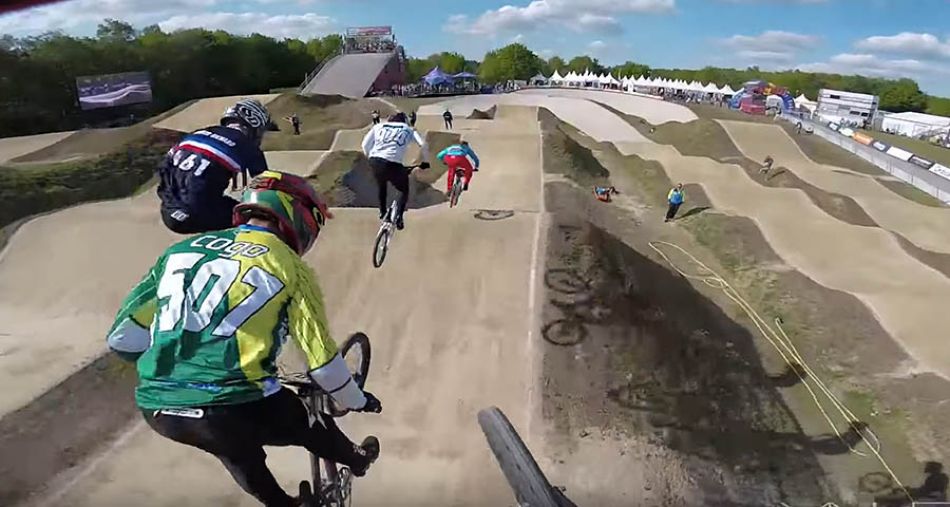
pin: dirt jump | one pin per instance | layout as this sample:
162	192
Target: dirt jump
631	383
444	344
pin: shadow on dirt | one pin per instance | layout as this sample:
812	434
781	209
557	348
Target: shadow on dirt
670	363
932	491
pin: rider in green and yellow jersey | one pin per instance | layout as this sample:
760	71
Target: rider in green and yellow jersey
205	327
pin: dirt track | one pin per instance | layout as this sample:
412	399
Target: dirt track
450	320
205	112
13	147
914	221
905	294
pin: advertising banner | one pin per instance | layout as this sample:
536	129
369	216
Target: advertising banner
879	146
940	170
833	126
369	31
863	138
921	162
904	155
111	90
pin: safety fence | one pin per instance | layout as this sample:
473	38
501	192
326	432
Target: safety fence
934	181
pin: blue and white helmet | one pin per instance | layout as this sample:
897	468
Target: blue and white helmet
252	114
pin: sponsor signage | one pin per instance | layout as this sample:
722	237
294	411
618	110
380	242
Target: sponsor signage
369	31
833	126
878	145
904	155
111	90
862	138
940	171
846	131
921	162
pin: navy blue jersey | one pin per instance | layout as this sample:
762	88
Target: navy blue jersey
196	172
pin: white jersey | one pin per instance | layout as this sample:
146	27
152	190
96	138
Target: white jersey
390	141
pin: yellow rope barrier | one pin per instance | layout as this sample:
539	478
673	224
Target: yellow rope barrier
789	353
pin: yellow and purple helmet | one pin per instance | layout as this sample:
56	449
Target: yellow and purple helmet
288	200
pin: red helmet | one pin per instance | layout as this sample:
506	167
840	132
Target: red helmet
288	200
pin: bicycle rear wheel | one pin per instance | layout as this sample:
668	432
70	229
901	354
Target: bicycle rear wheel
456	192
525	477
357	355
381	247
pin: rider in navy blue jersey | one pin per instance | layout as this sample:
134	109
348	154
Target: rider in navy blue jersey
196	172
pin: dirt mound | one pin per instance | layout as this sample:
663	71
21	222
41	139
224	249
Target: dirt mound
347	180
478	114
635	347
564	155
29	190
321	116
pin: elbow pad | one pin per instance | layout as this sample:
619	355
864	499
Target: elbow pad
336	380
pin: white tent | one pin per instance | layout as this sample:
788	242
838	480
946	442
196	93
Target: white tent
539	80
695	86
802	102
711	88
727	90
556	77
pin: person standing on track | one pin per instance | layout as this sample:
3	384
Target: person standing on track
207	322
412	119
197	170
375	117
458	156
447	116
675	199
385	146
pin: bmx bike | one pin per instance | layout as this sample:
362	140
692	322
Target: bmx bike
457	188
330	484
527	481
387	230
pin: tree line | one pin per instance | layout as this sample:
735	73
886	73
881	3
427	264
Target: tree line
516	61
38	90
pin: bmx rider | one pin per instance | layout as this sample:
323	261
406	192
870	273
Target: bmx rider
385	146
459	156
207	322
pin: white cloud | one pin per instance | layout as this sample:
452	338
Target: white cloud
518	38
875	66
578	15
772	40
771	48
907	43
302	26
68	16
766	56
775	1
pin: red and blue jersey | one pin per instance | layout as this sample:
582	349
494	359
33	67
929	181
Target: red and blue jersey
197	170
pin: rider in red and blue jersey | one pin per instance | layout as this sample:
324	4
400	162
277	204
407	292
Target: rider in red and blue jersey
459	156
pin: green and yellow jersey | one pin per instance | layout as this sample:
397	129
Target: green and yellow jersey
208	320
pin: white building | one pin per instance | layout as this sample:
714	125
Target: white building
847	107
915	124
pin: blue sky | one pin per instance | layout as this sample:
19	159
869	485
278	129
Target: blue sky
889	38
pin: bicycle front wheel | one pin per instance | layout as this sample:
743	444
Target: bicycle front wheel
357	355
456	192
381	246
530	486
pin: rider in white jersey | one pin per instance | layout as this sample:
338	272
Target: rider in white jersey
385	145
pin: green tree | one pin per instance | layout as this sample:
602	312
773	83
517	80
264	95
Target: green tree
938	105
630	69
113	30
581	64
555	63
903	95
514	61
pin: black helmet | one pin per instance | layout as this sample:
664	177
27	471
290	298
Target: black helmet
399	117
